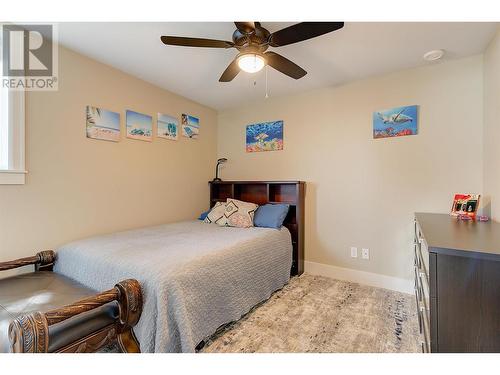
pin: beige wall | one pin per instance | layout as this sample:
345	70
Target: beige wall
492	125
360	191
77	187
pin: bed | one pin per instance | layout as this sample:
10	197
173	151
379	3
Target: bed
195	277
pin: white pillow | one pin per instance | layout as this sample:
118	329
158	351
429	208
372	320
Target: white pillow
239	214
216	214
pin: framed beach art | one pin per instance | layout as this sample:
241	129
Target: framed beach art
167	127
264	136
102	124
139	126
190	126
395	122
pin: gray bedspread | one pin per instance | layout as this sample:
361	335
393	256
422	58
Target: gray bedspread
194	276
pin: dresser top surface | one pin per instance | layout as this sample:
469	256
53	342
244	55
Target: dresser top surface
444	232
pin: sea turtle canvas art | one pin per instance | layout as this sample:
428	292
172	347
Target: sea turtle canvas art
264	136
395	122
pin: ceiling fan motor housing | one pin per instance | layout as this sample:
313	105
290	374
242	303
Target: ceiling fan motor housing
258	39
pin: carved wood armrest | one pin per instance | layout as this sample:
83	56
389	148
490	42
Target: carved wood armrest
30	333
43	261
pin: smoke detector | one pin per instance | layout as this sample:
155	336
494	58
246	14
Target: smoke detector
434	55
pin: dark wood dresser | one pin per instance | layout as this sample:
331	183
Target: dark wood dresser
457	283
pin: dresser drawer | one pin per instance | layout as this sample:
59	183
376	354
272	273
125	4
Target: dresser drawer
424	284
422	313
427	332
422	290
422	250
421	264
423	323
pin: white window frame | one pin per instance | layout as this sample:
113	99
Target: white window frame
13	102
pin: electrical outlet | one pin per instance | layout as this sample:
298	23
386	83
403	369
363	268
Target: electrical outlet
365	253
354	252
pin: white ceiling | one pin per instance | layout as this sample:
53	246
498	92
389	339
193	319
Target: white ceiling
358	50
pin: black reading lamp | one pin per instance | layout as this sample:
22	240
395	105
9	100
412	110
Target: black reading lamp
219	162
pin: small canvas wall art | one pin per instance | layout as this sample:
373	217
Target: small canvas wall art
139	126
167	127
395	122
103	124
190	126
265	136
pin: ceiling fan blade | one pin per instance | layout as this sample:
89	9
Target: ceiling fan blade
195	42
245	27
302	31
284	65
231	71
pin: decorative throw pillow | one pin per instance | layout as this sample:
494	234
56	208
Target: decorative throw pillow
216	214
271	215
239	214
203	215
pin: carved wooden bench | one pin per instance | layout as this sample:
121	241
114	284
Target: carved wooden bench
43	312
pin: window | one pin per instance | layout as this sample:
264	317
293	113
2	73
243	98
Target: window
12	169
4	130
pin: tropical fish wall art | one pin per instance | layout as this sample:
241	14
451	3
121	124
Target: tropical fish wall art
264	136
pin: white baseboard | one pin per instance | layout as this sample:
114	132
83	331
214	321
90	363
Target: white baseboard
361	277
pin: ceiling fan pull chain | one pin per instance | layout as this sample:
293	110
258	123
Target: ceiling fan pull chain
267	91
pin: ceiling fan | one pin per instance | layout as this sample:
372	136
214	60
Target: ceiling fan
252	40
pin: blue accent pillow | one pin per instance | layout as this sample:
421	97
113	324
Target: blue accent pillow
271	215
203	215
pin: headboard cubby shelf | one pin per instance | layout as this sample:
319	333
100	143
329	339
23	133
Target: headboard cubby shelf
262	192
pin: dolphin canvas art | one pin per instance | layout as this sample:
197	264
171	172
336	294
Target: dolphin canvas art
395	122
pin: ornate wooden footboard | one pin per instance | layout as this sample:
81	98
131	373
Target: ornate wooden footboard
43	261
83	326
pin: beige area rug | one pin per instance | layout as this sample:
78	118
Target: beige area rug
319	314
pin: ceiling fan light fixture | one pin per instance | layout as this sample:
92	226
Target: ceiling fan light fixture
251	62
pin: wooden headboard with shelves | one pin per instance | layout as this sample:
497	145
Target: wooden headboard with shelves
262	192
